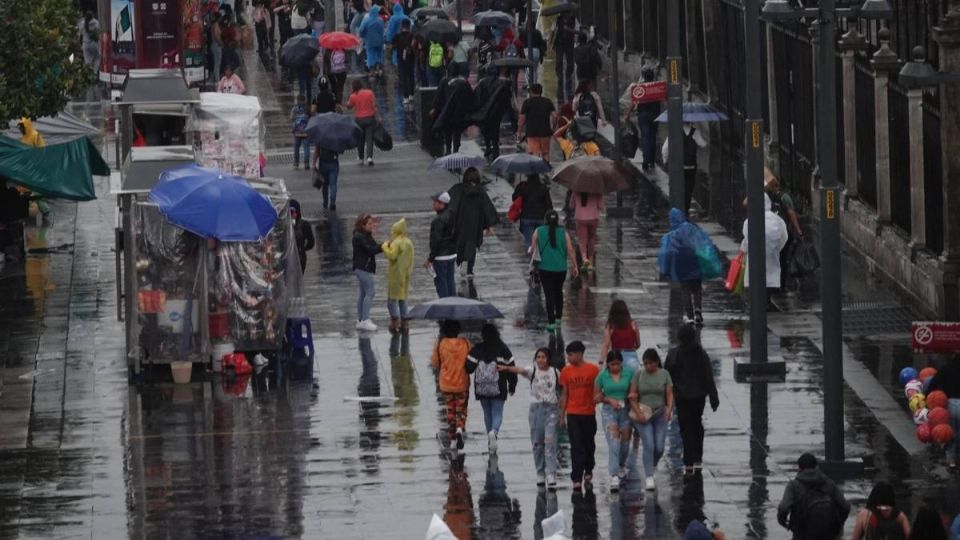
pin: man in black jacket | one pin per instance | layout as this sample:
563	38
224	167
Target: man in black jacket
813	507
443	248
692	376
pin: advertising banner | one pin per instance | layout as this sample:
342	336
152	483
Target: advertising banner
119	54
159	31
193	54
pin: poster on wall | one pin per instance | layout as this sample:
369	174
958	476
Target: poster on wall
193	57
119	54
159	22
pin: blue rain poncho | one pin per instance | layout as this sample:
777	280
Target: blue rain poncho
686	252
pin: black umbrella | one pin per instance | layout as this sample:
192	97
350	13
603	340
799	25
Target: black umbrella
493	18
519	163
455	308
592	174
440	31
334	132
512	62
559	8
425	12
299	51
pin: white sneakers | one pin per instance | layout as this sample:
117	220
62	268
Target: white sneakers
370	161
541	479
651	484
459	439
552	482
367	326
492	442
614	484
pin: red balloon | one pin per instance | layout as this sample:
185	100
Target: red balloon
924	433
942	434
935	399
927	372
938	417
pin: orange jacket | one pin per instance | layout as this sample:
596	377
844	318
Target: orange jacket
450	357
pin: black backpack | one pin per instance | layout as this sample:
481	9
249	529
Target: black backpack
815	514
880	528
587	106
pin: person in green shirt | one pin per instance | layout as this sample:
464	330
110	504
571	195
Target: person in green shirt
553	250
611	389
651	403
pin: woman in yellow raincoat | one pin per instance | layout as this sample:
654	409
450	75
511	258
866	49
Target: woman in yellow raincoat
399	253
32	137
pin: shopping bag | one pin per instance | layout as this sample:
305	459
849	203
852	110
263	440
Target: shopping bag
734	274
382	138
709	261
516	207
738	290
629	140
237	362
805	259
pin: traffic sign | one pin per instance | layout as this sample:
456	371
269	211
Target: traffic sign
648	92
931	337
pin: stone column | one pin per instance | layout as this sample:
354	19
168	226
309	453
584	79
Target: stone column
947	36
884	62
850	43
918	211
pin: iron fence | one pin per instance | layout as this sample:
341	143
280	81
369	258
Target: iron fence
866	132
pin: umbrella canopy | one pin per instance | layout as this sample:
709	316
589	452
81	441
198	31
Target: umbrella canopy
512	62
62	171
519	163
299	51
592	174
455	308
697	112
213	205
426	12
492	17
338	40
62	127
440	31
560	8
456	162
334	132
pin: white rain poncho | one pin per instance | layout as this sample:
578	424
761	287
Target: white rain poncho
776	237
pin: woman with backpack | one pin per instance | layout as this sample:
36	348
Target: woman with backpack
490	385
587	103
554	250
335	62
544	415
880	519
621	333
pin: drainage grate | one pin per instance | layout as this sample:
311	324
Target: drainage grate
279	156
871	318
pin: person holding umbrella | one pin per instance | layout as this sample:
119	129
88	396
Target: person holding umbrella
326	168
554	249
493	96
365	250
587	208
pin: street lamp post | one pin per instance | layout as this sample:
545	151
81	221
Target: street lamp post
674	106
830	279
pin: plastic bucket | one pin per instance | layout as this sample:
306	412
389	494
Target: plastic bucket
181	371
218	325
219	351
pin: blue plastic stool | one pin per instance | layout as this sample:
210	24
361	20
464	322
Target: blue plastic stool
299	348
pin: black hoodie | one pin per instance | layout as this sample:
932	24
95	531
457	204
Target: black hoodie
808	480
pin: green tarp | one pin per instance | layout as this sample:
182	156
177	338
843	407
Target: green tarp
60	171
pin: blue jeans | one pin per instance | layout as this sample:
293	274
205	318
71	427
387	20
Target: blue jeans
329	171
492	413
446	280
397	308
648	137
217	52
532	71
297	143
630	359
366	292
953	448
653	434
544	419
304	83
527	226
618	449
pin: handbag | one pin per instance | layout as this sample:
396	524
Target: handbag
710	265
805	259
382	138
516	207
646	413
734	274
317	179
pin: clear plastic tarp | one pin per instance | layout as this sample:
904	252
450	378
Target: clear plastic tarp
229	133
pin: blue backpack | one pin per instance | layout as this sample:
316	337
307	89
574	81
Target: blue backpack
300	119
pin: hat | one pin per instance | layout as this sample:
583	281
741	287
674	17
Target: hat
442	196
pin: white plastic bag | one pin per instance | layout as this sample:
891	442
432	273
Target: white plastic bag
438	530
554	527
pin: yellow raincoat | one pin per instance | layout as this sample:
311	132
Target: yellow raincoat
399	253
31	136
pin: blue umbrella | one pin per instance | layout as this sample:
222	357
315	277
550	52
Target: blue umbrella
455	308
213	205
456	162
697	112
334	132
519	163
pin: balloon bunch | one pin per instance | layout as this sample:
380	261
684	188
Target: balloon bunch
929	408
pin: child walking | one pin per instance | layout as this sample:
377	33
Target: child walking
449	360
399	253
489	383
544	415
299	116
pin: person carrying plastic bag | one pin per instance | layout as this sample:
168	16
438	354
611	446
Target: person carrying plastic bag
775	237
688	256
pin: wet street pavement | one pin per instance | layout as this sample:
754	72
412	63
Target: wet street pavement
85	454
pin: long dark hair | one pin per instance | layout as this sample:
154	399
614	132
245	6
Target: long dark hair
687	336
619	315
651	354
882	494
362	220
552	219
584	197
491	335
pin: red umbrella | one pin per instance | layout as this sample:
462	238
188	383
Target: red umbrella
338	40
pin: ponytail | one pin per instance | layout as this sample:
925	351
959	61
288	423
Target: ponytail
584	197
553	221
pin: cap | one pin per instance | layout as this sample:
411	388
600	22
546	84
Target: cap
442	196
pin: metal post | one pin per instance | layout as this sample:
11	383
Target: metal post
830	284
753	150
615	85
674	106
529	30
459	17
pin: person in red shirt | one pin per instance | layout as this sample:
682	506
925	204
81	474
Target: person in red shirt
364	105
578	413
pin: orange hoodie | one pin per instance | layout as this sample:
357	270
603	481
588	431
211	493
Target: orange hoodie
450	357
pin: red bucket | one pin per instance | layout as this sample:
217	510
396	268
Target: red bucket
218	325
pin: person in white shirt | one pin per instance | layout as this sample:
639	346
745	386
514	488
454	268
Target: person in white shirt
692	141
